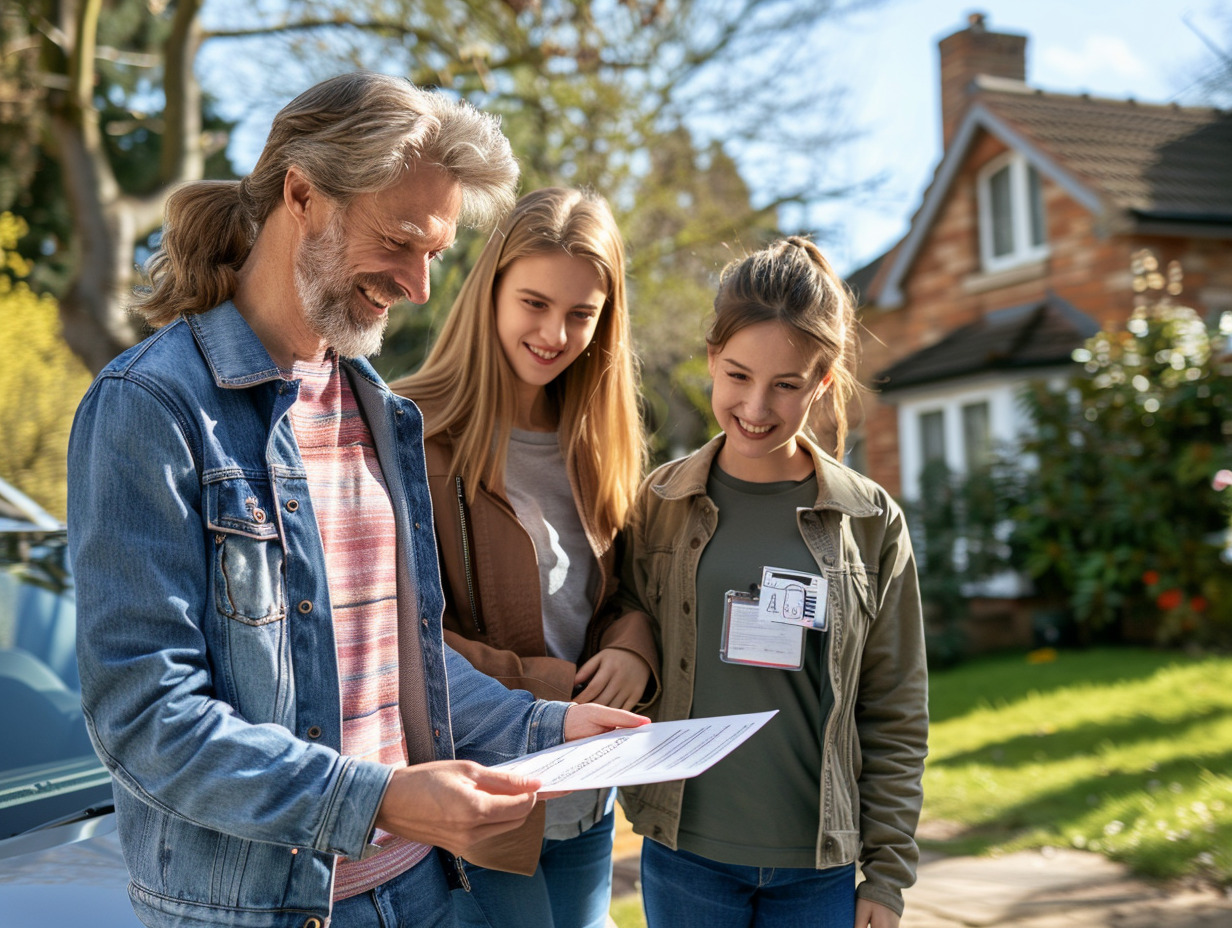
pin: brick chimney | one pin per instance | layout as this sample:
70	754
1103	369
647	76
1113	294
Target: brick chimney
968	54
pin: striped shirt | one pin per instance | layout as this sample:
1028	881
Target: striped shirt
356	522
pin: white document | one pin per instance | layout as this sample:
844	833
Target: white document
650	754
793	597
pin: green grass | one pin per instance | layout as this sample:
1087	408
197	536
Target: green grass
1124	752
627	912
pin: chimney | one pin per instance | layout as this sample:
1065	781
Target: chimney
967	54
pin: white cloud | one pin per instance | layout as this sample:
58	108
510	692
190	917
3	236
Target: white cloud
1104	61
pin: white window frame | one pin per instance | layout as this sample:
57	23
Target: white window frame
1022	251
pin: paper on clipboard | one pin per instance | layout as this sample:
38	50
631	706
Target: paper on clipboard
650	754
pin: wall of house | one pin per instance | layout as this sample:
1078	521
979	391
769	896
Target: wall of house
1086	265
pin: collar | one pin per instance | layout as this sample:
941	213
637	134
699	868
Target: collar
236	357
838	487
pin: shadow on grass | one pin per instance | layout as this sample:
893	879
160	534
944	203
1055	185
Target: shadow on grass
1083	740
1008	678
1060	810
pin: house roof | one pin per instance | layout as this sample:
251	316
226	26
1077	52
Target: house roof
1033	335
1123	160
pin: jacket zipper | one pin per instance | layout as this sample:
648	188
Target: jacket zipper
466	555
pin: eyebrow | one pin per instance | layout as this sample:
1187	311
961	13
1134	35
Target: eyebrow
749	370
409	228
531	291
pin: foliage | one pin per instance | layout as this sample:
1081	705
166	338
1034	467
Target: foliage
959	527
1125	753
1119	518
41	381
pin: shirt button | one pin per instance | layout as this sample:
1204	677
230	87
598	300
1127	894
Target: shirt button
305	606
436	732
417	525
292	505
314	732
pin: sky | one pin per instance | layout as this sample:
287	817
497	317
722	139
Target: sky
886	58
1109	48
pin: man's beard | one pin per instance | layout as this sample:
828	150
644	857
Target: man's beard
326	289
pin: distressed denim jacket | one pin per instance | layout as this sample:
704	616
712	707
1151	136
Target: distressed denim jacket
208	663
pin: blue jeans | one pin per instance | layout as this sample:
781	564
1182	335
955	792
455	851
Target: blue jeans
571	887
418	897
683	890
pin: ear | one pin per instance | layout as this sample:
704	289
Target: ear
300	198
824	385
712	359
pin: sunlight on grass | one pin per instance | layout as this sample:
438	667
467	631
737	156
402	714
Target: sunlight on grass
627	912
1124	752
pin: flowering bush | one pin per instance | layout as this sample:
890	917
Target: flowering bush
1122	520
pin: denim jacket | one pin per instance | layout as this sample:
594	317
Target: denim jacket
874	738
208	663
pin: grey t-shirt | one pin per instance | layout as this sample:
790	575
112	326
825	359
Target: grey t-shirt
760	806
537	484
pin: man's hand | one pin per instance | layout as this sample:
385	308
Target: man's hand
582	721
874	915
455	804
613	677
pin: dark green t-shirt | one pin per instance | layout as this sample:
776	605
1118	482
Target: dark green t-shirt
759	806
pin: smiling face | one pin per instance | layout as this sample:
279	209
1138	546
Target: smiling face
373	254
764	389
547	310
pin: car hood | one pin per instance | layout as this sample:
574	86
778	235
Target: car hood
67	875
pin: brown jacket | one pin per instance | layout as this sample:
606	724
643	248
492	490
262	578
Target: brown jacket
494	615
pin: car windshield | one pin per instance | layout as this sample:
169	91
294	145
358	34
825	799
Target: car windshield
48	770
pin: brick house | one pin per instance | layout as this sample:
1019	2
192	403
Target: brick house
1022	247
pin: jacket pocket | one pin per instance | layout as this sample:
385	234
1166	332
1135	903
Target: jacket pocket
248	554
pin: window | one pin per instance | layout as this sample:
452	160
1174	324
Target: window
1011	205
977	439
932	436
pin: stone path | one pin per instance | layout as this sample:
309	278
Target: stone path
1034	889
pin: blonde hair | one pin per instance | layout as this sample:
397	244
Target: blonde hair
350	135
468	377
791	282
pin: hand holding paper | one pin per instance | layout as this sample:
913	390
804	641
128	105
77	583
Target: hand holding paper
649	754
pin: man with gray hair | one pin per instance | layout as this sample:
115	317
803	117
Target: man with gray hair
259	601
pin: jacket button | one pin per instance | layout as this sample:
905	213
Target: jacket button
684	607
305	606
292	505
828	844
423	622
828	560
695	543
258	515
417	525
312	922
436	732
314	732
684	664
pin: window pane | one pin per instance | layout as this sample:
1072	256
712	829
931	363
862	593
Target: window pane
1037	207
1001	212
976	438
932	436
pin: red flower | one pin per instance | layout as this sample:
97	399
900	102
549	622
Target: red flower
1198	604
1151	577
1169	599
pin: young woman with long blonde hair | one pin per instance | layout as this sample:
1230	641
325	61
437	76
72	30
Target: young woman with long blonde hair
535	449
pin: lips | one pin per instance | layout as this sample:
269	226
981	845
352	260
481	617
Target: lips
547	357
382	304
753	431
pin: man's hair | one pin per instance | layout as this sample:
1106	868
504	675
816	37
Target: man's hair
349	135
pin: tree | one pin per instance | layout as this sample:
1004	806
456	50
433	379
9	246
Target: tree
40	379
586	90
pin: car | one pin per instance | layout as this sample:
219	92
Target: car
60	859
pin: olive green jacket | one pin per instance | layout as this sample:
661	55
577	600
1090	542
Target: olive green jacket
875	738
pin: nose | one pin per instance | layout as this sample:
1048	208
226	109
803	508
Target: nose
553	331
413	276
756	405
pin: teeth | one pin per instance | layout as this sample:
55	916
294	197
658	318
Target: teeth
374	301
754	429
540	353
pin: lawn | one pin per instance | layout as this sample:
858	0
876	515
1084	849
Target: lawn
1124	752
